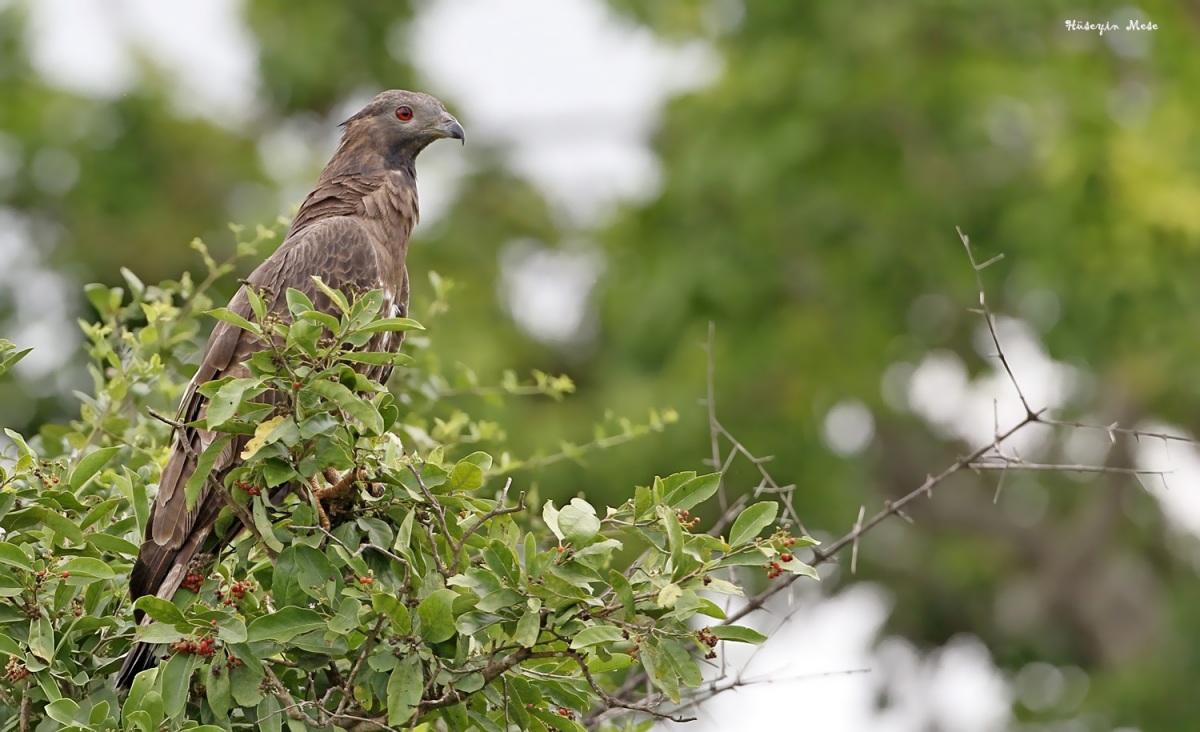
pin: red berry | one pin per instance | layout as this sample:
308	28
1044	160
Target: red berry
66	575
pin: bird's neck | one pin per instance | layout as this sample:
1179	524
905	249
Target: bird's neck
369	189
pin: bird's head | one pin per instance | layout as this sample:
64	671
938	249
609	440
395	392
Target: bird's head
399	124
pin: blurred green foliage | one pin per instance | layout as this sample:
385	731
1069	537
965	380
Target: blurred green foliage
808	204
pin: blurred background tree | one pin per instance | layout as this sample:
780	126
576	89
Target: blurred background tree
792	173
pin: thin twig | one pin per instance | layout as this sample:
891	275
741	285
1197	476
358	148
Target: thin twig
498	510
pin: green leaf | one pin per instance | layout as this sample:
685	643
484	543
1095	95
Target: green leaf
694	492
12	555
88	567
324	319
12	360
405	686
204	466
346	617
724	587
480	458
159	609
466	476
175	682
41	639
91	464
674	539
55	521
114	544
270	719
379	532
394	609
747	556
738	634
659	670
437	616
501	598
22	446
277	472
158	633
578	522
233	318
257	304
795	566
297	302
229	396
550	517
624	592
245	682
358	408
284	624
63	711
669	594
143	684
391	324
681	661
596	635
231	629
217	691
377	358
99	713
552	720
711	609
301	573
335	295
528	629
751	521
263	524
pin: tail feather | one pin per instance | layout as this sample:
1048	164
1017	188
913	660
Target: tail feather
145	655
141	657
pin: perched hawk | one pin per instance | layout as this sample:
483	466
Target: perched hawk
352	231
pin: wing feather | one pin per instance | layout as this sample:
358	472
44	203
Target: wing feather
341	251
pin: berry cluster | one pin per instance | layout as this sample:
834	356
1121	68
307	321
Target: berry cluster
566	713
367	581
232	663
206	647
637	644
192	581
237	591
785	540
251	490
688	524
15	671
706	638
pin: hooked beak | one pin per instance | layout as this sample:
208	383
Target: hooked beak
451	128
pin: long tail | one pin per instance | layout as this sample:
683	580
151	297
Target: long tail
141	657
145	655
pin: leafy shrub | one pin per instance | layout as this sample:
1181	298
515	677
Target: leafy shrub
428	597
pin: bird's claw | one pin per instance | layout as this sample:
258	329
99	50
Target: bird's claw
339	488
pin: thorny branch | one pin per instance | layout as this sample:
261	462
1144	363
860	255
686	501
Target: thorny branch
989	456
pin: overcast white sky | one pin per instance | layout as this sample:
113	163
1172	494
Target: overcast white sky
602	82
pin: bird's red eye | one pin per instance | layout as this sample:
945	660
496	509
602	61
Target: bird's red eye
404	114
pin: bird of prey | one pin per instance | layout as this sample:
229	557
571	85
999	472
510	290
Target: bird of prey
352	230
